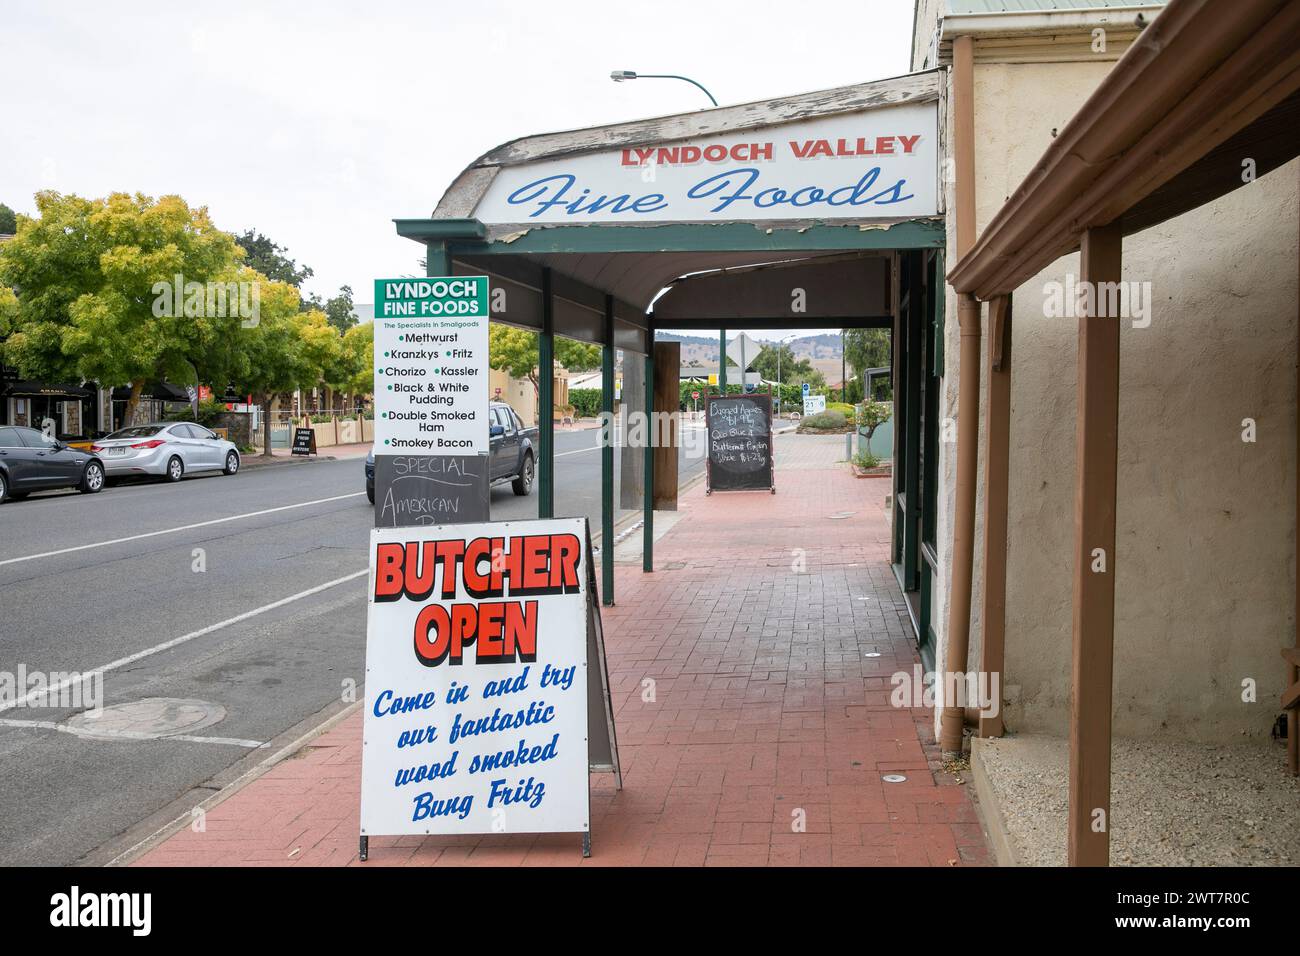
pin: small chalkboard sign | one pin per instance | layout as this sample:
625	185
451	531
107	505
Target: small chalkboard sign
430	490
304	441
740	443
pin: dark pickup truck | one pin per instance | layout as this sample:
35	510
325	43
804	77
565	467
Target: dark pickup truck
512	454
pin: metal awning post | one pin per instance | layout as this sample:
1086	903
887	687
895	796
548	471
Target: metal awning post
1096	451
546	402
722	362
608	433
648	529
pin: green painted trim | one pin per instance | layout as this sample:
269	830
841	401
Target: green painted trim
648	529
546	403
607	460
437	261
705	237
423	230
722	362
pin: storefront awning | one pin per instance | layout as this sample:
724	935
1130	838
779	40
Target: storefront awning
158	391
626	211
29	389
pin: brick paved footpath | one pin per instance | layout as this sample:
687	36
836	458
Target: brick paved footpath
766	712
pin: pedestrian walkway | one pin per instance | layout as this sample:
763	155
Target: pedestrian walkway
751	683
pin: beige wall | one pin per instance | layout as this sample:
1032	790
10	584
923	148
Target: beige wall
520	395
1205	542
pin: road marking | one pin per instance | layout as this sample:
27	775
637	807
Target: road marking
129	734
185	527
578	452
63	685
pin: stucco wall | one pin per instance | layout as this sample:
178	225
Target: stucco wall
1205	546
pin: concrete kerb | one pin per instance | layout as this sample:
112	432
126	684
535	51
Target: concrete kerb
990	813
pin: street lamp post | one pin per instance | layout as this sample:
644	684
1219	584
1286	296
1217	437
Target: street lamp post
618	76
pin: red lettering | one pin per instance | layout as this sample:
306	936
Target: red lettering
908	142
490	647
388	572
464	621
432	617
884	145
521	631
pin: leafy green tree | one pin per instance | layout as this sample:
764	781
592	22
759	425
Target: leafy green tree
359	346
514	351
269	259
271	357
8	221
339	310
85	273
867	348
791	368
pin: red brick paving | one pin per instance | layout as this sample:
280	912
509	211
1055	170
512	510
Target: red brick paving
761	740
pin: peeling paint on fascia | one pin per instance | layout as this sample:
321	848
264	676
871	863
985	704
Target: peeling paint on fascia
511	237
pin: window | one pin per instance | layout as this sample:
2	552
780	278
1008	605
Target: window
9	438
34	439
137	431
514	417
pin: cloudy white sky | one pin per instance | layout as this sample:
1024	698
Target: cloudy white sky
320	122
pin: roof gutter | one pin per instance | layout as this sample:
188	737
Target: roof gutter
1200	73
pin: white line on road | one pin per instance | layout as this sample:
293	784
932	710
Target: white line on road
129	734
185	527
55	689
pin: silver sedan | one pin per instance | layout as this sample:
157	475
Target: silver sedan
169	449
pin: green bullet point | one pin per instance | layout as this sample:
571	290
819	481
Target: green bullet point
385	355
387	442
390	388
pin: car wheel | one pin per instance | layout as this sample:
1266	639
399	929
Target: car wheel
175	469
92	479
523	483
232	463
370	493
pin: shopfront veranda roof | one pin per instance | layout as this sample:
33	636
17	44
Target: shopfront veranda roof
726	209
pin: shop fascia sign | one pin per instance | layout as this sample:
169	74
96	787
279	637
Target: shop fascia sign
877	164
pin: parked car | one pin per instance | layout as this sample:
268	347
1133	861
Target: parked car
512	452
169	449
31	461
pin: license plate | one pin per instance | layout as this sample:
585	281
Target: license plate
114	451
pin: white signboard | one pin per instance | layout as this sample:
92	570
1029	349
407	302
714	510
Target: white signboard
814	404
476	680
431	371
875	164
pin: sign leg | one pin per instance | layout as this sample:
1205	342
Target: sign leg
365	848
586	845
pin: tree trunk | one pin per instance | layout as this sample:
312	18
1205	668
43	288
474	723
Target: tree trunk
132	414
266	425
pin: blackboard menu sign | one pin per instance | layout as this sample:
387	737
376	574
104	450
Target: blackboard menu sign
740	443
304	441
430	490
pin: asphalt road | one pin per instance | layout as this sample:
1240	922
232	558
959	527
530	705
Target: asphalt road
245	594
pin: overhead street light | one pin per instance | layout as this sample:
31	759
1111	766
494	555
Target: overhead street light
618	76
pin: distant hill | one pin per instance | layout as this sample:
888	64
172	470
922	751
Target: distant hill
824	350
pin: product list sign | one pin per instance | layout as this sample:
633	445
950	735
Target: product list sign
431	353
476	680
